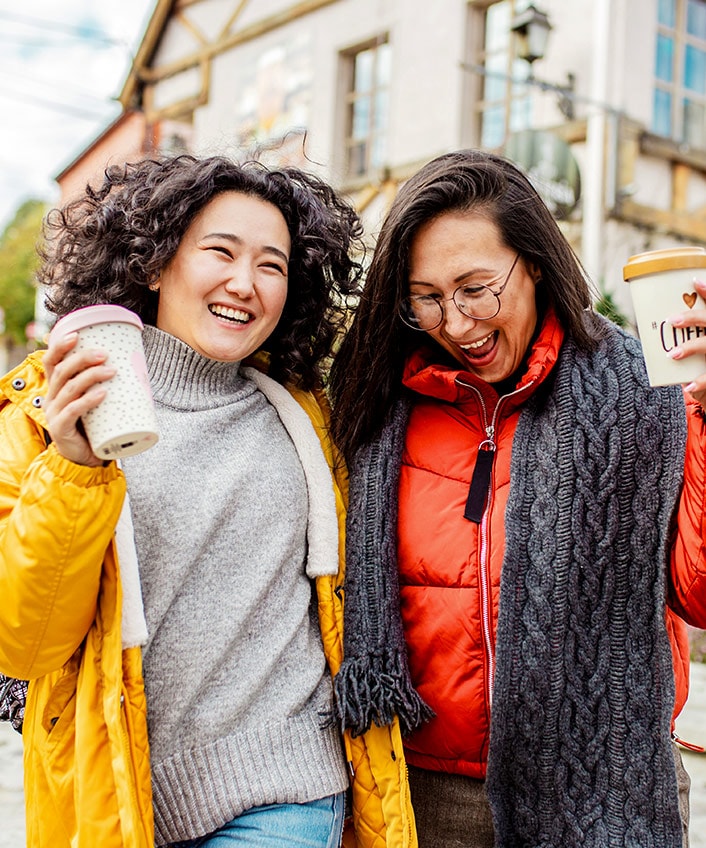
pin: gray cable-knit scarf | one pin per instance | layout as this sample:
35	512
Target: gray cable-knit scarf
580	750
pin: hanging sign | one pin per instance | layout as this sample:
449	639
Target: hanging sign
550	167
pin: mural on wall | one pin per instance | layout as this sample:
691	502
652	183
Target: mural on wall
272	111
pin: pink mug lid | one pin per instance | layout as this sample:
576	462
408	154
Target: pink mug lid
102	313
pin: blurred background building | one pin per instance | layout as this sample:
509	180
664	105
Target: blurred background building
602	102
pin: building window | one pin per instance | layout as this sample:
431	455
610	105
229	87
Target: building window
367	78
679	105
501	101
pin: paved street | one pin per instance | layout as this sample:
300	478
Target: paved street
12	816
691	726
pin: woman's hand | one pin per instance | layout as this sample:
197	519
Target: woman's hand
74	387
696	345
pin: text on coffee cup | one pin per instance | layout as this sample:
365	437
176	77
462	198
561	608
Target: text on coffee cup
671	336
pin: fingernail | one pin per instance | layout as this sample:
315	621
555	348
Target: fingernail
674	320
675	353
691	387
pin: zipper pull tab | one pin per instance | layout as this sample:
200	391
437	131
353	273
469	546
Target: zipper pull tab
480	483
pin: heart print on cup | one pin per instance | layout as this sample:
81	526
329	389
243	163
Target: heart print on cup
662	284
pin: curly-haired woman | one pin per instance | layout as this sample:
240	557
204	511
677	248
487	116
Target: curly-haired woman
238	273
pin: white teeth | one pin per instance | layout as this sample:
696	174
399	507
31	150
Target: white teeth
474	345
230	313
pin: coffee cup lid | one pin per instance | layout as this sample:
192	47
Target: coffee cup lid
102	313
668	259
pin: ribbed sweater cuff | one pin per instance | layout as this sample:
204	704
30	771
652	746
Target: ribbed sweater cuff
293	762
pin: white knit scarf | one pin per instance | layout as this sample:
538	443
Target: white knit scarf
322	524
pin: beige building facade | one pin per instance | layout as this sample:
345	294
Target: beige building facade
609	119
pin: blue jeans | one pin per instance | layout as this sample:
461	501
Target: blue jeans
317	824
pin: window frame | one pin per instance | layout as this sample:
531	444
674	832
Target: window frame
514	102
671	97
375	135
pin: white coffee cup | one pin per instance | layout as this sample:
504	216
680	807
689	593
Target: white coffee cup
662	285
124	423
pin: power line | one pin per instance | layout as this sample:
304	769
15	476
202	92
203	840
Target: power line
48	42
64	108
85	32
52	86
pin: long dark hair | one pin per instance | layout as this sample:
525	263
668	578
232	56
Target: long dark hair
367	371
112	242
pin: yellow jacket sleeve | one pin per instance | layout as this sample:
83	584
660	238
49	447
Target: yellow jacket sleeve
56	522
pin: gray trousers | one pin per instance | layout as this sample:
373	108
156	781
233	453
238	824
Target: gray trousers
452	811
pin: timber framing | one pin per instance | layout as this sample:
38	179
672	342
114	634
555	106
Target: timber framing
684	165
627	143
143	74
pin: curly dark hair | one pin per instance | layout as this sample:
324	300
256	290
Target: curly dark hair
108	245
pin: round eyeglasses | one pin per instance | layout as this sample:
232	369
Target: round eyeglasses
480	302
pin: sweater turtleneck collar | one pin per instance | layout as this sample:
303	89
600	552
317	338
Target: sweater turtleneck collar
182	378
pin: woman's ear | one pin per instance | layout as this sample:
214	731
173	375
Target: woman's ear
534	272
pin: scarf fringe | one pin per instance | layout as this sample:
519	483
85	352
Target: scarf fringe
375	690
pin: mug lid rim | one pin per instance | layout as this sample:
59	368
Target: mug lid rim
666	259
101	313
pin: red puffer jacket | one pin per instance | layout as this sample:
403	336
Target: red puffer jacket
450	566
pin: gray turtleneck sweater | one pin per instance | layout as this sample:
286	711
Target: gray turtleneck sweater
237	687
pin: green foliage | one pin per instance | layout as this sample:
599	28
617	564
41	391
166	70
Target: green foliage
605	305
18	262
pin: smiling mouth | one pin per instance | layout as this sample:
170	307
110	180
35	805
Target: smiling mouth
481	347
237	316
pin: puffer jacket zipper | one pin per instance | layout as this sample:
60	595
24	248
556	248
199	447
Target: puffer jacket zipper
488	445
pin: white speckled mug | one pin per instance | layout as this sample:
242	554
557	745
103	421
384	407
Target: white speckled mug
662	284
124	423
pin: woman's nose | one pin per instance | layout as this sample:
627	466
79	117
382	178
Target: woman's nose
455	323
241	281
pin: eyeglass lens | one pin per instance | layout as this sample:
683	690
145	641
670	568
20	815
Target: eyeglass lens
425	312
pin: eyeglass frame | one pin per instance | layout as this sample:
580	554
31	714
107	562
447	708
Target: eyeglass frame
441	301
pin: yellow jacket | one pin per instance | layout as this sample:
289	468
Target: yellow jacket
86	762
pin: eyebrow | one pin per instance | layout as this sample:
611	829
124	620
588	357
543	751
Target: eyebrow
267	248
459	279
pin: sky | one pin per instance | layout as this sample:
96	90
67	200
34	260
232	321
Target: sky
62	67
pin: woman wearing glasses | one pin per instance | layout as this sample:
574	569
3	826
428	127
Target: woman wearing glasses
515	571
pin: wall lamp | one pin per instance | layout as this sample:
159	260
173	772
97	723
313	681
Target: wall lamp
531	28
